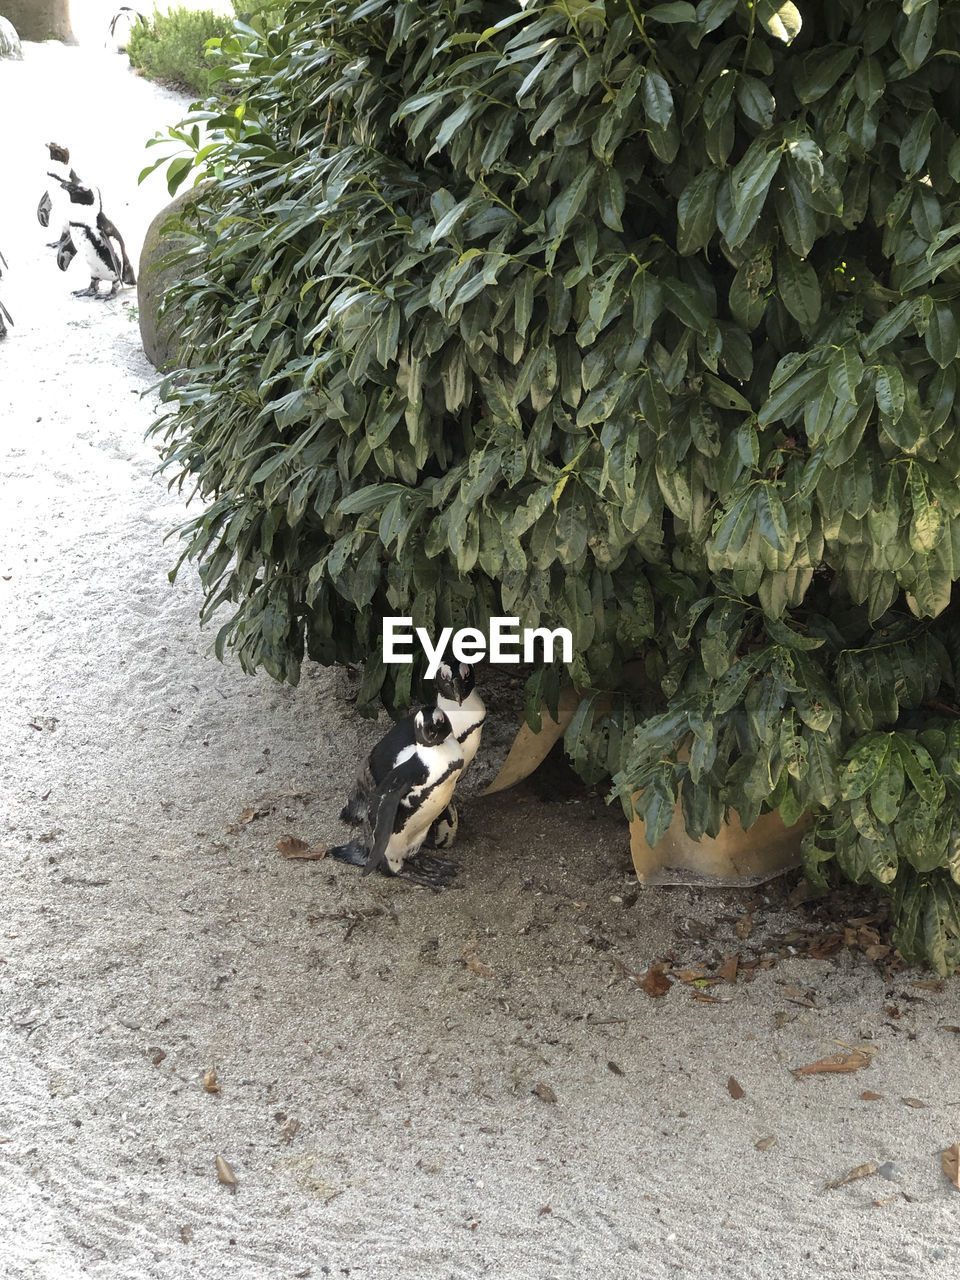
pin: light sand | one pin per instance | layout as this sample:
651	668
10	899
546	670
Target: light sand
150	934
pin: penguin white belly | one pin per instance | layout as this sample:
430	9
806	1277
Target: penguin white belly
437	791
467	719
96	253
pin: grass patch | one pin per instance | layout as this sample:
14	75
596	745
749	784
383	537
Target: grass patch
171	48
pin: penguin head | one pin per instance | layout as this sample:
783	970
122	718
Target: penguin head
456	682
78	191
431	727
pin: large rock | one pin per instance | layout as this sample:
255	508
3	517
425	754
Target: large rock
157	276
9	40
40	19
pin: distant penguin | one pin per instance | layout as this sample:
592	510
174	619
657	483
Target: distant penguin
5	316
458	700
405	803
121	26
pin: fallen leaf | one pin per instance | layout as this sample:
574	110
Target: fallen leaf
248	815
861	1171
157	1055
472	960
839	1062
950	1164
744	926
879	951
546	1209
946	1027
615	1068
827	946
544	1092
210	1084
930	984
869	1096
735	1089
186	1233
765	1144
292	847
289	1130
705	999
225	1174
913	1102
728	970
698	974
655	982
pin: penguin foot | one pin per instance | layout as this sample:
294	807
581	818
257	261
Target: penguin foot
355	853
433	873
91	291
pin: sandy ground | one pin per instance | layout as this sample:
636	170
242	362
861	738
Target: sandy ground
455	1085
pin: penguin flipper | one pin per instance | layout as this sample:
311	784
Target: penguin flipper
44	209
394	787
106	226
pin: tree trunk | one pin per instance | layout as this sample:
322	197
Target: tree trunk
40	19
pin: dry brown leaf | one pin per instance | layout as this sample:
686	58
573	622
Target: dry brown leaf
913	1102
744	926
655	982
861	1171
210	1084
950	1164
707	999
735	1089
544	1092
289	1130
869	1096
615	1068
545	1210
765	1144
186	1233
946	1027
248	815
225	1174
472	960
728	970
839	1062
930	984
826	946
292	847
699	974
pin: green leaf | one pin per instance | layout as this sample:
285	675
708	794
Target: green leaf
696	212
915	146
891	392
864	766
756	100
820	71
799	288
916	40
782	20
672	13
657	98
887	790
942	338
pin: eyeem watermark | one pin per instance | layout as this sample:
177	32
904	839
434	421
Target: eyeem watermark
506	643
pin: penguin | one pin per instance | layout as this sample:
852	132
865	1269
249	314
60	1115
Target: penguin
458	700
90	234
57	209
406	801
121	27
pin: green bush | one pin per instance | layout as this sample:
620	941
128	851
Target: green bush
172	48
639	319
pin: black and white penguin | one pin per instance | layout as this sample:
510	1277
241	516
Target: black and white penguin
405	803
458	699
121	27
91	234
56	209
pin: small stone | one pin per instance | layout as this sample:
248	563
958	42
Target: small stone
892	1172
